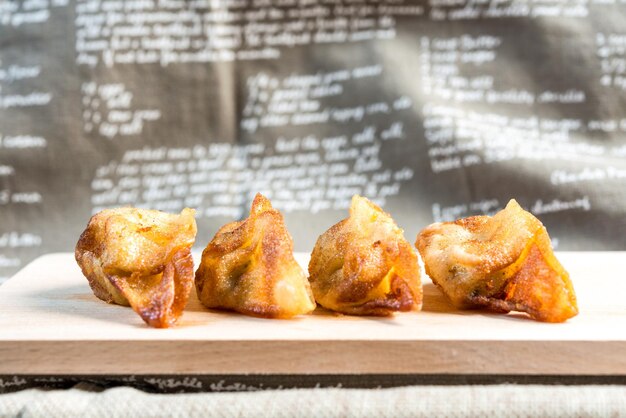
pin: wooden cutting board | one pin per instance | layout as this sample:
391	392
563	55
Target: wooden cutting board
50	323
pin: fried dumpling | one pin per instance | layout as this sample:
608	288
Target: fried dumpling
504	263
141	258
249	267
363	265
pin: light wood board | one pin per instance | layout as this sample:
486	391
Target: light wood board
50	323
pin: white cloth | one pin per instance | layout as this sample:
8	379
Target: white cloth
413	401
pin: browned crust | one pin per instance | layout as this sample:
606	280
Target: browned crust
347	271
158	295
87	253
536	288
514	270
166	303
247	262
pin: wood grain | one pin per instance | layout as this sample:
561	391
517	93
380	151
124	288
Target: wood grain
50	323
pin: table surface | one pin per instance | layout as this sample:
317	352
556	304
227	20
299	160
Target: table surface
52	323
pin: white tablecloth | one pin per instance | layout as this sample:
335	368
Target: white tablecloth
412	401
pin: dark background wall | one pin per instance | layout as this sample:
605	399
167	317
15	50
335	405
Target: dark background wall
434	109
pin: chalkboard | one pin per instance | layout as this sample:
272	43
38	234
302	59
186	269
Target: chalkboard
434	109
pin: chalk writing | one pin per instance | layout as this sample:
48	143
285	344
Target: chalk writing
611	50
173	32
310	174
107	110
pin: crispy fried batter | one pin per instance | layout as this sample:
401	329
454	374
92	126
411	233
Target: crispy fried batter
249	267
141	258
363	265
504	263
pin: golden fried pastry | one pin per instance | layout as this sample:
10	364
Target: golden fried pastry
141	258
249	267
504	263
363	265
